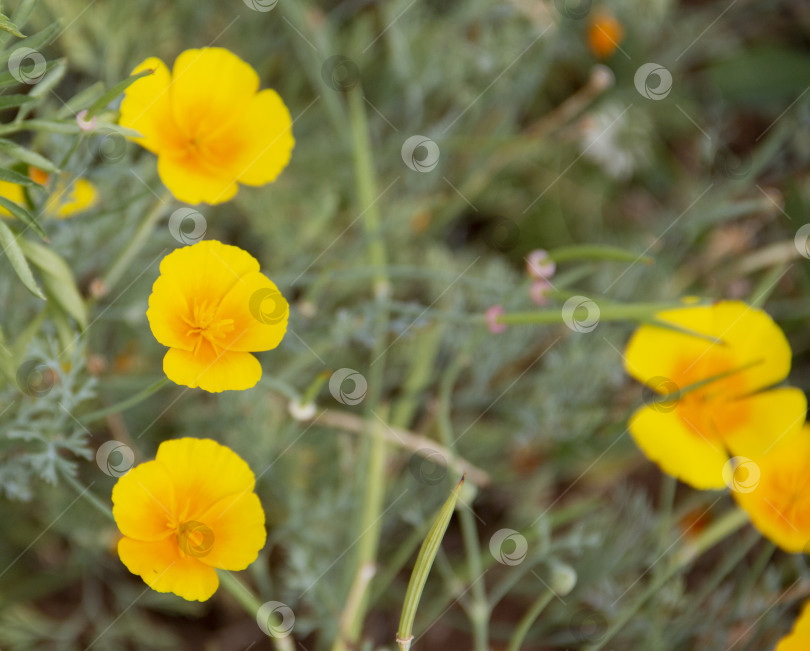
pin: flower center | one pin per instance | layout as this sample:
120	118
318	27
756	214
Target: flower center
204	326
712	410
195	539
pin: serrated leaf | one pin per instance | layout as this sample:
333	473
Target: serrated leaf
57	279
7	26
24	215
27	156
11	249
114	92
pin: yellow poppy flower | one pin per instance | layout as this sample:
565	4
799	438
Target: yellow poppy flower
67	199
212	307
778	498
189	511
209	124
799	638
737	352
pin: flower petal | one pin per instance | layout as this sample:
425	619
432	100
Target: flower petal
679	451
771	417
230	371
12	192
203	473
259	312
210	88
746	333
237	522
192	275
69	200
190	180
799	638
164	569
143	502
260	144
147	108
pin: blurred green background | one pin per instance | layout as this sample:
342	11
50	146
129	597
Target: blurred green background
541	144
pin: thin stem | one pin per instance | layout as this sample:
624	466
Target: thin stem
125	404
607	312
84	491
528	619
136	243
251	604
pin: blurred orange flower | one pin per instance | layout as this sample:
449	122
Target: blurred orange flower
209	124
605	33
189	511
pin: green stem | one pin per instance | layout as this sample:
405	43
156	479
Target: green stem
136	243
125	404
528	619
251	604
686	553
84	491
374	454
607	312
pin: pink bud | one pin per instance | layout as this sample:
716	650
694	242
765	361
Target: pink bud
85	125
492	315
538	265
540	291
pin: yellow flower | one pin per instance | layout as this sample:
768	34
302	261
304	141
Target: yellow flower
799	638
67	199
777	496
208	124
737	352
189	511
212	307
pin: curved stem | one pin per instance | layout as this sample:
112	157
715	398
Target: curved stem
528	619
118	407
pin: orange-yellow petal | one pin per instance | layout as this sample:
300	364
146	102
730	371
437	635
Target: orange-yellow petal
229	371
779	503
202	273
210	89
261	142
68	200
12	192
165	569
679	451
143	502
771	416
147	108
203	473
799	638
748	337
237	522
191	180
259	312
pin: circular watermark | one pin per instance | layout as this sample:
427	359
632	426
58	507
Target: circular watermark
275	619
580	314
187	225
588	626
653	81
268	306
359	386
195	539
420	154
27	65
741	474
661	394
502	234
108	145
115	458
802	241
35	378
340	73
428	466
261	5
729	164
574	9
508	547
